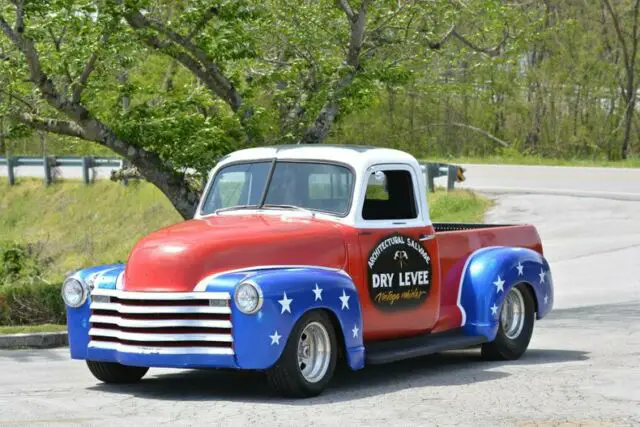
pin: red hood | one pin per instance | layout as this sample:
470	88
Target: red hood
176	258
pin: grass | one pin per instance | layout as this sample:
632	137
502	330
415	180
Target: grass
537	160
457	206
72	225
6	330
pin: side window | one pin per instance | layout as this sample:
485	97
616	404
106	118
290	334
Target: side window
390	195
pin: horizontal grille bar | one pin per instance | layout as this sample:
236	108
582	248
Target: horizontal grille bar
143	349
132	336
155	322
166	330
146	296
152	309
164	343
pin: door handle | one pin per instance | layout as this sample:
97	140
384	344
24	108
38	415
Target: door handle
424	237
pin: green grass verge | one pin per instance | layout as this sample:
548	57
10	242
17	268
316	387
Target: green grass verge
539	161
457	206
73	225
6	330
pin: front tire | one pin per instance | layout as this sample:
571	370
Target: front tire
515	328
115	373
308	360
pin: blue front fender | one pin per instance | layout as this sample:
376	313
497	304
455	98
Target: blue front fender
288	293
104	277
488	276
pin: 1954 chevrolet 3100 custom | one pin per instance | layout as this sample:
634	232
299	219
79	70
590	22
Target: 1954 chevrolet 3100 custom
303	256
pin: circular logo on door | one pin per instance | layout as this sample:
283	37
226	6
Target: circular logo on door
399	270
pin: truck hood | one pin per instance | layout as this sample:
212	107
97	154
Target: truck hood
176	258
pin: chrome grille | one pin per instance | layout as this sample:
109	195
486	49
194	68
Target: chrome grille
161	322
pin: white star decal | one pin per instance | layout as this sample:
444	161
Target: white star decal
494	309
542	274
318	293
345	300
275	338
520	268
499	285
285	303
546	298
355	331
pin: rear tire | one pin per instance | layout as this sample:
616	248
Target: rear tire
116	373
292	376
513	336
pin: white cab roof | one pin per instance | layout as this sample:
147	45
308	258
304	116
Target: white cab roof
359	157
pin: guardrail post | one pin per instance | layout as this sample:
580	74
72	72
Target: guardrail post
86	164
432	172
47	171
452	173
10	173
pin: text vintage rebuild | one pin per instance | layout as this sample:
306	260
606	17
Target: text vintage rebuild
301	256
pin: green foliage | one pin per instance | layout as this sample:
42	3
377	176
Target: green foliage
31	303
17	262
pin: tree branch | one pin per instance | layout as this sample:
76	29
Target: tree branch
492	52
60	127
619	34
17	98
438	45
344	5
198	61
474	129
19	16
319	131
79	86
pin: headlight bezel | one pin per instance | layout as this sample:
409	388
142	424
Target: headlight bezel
259	294
83	287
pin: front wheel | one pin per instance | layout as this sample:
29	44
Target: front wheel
116	373
308	360
516	326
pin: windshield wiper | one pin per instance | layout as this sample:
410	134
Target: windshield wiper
234	208
288	207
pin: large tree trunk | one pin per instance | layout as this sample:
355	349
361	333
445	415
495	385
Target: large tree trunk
628	124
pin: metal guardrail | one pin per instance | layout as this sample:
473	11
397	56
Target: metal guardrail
48	164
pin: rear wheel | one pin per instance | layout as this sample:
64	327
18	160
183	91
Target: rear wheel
116	373
515	328
308	360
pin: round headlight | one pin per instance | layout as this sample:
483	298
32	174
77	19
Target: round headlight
74	293
248	297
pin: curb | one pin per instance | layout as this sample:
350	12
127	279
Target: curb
39	340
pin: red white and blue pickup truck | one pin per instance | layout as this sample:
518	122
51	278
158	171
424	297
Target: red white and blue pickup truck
300	257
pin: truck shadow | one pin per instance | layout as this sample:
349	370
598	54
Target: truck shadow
439	370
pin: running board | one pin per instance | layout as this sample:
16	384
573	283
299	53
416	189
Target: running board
405	348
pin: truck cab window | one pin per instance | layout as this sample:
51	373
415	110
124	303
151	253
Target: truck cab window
389	195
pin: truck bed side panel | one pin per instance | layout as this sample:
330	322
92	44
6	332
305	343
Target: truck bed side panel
455	247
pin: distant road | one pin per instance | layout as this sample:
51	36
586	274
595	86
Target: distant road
611	183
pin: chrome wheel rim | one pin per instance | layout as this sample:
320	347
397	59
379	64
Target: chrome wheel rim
512	314
314	352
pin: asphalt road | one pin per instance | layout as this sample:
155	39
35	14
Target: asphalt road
582	367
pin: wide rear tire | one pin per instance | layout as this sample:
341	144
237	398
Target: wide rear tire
298	373
513	335
116	373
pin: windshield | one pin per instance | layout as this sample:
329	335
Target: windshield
315	186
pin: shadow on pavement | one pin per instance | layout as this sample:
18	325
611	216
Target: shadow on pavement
440	370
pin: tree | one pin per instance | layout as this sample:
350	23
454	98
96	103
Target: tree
627	36
170	85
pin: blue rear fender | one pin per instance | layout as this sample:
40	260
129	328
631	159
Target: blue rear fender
290	293
488	276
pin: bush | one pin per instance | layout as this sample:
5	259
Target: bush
31	303
17	262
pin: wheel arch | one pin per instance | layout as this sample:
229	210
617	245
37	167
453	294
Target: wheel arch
490	274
